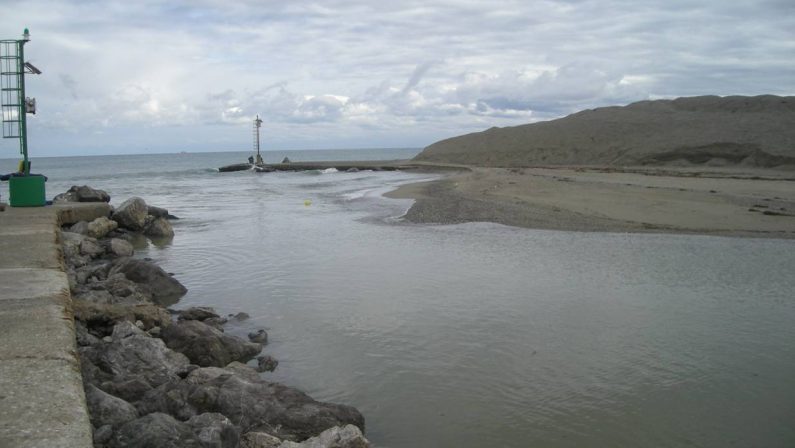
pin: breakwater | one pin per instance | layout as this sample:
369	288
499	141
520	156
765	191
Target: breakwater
128	371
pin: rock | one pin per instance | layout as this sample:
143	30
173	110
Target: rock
155	430
84	338
352	169
131	214
286	160
99	271
348	436
82	194
257	405
139	324
131	389
160	227
101	318
105	409
206	346
216	322
154	331
119	247
259	440
197	313
157	212
100	227
79	227
240	316
133	354
102	435
76	245
214	430
266	363
163	286
259	336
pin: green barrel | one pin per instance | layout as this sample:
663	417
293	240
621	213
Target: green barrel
26	191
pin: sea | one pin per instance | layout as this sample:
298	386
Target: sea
473	335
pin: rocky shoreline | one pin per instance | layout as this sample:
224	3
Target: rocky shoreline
156	377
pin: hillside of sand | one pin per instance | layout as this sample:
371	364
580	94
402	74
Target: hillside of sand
695	131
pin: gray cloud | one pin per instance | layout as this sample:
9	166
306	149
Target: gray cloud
389	74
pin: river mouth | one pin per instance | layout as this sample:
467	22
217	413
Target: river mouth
485	335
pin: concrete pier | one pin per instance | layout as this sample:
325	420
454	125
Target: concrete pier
42	403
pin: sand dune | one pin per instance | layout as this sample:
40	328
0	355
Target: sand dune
706	130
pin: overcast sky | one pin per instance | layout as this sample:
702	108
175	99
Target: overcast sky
168	76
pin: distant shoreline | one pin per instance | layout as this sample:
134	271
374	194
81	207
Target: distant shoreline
723	202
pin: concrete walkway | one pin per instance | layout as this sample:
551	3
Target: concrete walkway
42	403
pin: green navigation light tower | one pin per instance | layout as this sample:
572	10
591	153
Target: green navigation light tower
26	190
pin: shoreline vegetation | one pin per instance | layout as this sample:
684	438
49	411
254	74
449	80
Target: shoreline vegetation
158	377
701	165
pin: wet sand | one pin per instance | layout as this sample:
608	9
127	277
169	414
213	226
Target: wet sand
712	201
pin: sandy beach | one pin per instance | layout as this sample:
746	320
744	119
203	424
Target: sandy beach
732	202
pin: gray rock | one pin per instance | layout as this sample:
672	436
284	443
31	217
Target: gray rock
133	354
130	390
105	409
159	227
206	346
266	363
102	435
214	430
348	436
259	440
100	227
82	194
76	245
155	430
197	313
84	338
80	227
259	336
120	247
216	322
131	214
157	212
164	287
257	405
241	316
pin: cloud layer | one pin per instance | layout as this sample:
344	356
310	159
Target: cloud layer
190	75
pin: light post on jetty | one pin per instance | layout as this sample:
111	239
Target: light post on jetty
25	190
257	125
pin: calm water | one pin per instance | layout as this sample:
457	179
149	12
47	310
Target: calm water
477	335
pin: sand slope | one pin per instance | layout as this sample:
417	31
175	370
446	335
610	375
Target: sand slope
707	130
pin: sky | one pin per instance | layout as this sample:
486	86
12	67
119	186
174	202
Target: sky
150	76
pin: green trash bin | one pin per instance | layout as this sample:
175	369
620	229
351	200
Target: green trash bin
26	191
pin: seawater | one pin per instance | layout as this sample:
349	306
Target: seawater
475	335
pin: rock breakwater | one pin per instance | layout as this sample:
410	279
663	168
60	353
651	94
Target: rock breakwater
156	377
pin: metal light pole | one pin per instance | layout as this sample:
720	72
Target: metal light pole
26	190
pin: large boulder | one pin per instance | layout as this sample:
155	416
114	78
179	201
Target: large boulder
105	409
164	287
79	249
206	346
159	227
214	430
259	440
82	194
198	313
100	227
155	430
102	317
133	354
347	436
254	404
119	247
131	214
